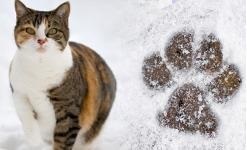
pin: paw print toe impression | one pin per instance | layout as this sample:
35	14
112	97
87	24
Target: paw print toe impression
208	57
155	73
187	109
179	50
225	84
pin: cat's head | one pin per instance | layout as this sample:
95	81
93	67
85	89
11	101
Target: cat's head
41	30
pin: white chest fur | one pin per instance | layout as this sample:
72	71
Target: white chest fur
31	75
34	72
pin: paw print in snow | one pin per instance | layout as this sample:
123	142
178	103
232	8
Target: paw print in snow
187	109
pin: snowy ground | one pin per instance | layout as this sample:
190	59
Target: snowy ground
123	32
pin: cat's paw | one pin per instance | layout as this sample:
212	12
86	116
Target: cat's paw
47	147
33	137
35	142
47	136
38	143
40	147
202	74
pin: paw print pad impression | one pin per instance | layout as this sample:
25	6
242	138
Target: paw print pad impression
187	111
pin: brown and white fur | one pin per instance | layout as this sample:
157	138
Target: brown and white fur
60	88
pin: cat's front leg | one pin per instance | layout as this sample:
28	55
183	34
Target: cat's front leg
29	123
45	115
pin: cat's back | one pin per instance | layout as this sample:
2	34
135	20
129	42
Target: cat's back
95	68
87	54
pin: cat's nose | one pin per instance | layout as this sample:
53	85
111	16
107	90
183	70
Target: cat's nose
42	41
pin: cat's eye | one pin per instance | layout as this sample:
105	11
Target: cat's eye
52	31
30	31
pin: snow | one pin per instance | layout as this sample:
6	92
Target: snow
124	32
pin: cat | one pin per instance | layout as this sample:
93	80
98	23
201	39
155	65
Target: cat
63	91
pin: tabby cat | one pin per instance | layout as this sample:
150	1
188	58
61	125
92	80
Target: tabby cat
63	91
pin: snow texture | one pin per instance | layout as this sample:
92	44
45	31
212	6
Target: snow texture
124	32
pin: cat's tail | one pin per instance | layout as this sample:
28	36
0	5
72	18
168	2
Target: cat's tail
103	113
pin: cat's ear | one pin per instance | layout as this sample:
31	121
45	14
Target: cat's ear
20	9
63	10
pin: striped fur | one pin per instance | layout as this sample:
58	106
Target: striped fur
84	99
